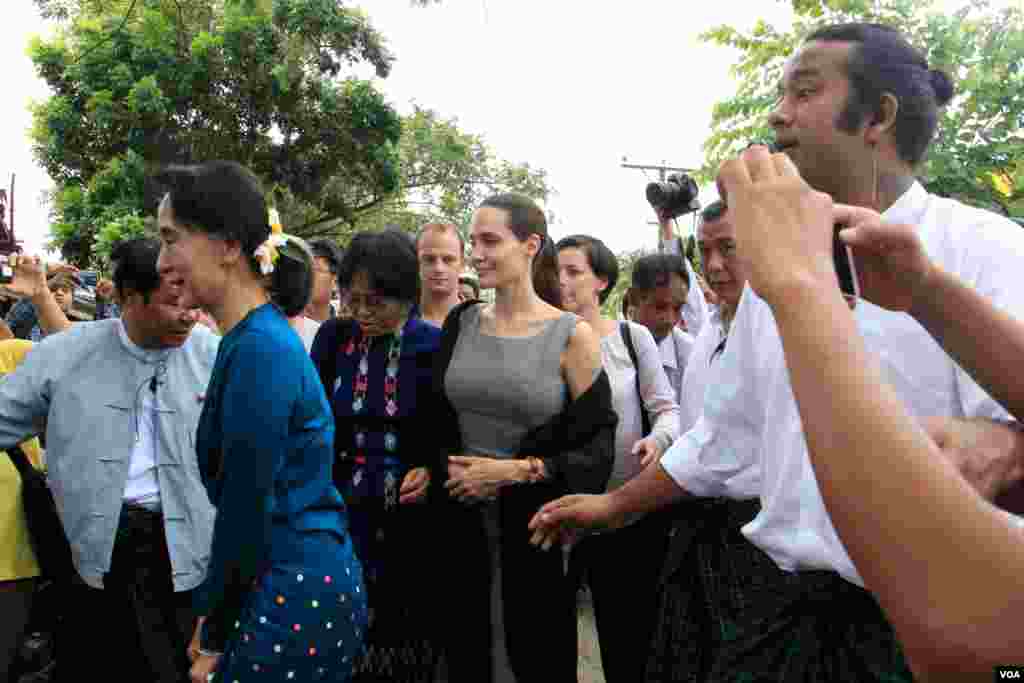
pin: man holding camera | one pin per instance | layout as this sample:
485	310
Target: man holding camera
776	593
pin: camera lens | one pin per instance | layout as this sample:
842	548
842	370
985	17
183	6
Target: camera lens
659	194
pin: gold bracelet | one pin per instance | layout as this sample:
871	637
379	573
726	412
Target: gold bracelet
536	473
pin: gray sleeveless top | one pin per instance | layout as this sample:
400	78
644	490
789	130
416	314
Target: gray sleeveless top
502	387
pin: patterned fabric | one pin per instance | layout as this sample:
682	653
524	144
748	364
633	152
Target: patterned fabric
376	387
375	475
299	625
728	613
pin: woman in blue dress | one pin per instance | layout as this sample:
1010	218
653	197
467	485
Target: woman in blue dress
283	598
378	368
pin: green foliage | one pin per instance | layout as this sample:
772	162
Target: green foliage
141	83
444	174
612	306
121	228
980	139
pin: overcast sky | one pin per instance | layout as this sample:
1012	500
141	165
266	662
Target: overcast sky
567	86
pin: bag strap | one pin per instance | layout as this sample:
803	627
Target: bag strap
627	336
20	460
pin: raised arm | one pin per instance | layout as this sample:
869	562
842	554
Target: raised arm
30	281
866	450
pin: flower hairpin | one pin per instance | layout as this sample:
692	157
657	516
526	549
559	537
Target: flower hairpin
268	253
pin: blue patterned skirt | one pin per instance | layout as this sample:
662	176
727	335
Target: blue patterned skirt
304	620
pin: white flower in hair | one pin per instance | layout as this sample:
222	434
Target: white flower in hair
267	253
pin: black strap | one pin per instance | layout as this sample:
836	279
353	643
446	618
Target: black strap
645	418
20	460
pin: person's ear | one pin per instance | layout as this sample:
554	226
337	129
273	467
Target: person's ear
883	120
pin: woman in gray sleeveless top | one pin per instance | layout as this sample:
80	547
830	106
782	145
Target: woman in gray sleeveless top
515	366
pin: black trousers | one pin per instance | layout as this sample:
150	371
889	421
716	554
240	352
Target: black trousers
137	628
623	569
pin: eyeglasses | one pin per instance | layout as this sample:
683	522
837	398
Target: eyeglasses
369	302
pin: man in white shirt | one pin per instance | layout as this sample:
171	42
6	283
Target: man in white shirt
659	288
716	239
777	607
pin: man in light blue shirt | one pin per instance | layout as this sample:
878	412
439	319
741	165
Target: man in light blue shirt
120	400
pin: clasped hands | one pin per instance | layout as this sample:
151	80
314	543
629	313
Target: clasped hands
476	479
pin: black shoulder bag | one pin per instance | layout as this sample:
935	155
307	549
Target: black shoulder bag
45	530
645	418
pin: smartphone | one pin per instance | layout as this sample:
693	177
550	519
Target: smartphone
7	264
842	257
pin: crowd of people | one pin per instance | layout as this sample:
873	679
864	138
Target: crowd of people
758	477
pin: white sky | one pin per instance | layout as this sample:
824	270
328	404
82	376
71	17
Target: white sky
567	86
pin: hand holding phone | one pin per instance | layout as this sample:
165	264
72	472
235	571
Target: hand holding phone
846	270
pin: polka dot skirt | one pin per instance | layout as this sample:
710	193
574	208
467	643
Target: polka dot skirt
300	625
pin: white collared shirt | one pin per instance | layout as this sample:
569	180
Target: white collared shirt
142	486
675	351
698	368
749	440
658	398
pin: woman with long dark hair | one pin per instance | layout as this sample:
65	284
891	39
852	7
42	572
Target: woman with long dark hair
623	567
283	598
526	415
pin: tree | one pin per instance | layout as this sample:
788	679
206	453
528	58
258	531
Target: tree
444	174
142	83
978	154
612	306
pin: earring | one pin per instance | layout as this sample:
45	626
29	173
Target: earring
874	177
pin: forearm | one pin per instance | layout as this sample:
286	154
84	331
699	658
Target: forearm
651	490
666	229
985	341
51	318
871	462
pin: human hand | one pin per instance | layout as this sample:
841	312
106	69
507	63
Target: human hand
893	269
569	518
783	226
414	486
203	668
665	227
29	275
475	479
193	646
647	450
104	289
988	454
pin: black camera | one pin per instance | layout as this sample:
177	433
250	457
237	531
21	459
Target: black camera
675	196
